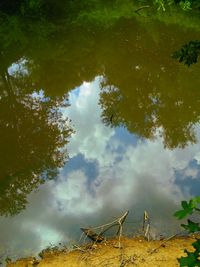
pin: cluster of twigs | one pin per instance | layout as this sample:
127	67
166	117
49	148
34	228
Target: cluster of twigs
96	233
98	237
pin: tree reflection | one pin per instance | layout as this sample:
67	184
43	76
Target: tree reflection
144	91
188	53
32	136
60	65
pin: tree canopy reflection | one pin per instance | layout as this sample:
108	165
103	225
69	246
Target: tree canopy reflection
32	136
146	92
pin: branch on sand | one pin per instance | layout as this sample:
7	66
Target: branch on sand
98	237
162	244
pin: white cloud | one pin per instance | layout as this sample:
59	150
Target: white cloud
73	196
197	158
190	172
91	135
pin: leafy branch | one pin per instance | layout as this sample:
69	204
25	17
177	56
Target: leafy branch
188	53
188	208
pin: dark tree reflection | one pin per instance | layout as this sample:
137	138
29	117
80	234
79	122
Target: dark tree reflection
32	136
144	90
188	53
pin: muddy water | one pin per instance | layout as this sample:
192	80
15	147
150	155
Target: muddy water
94	123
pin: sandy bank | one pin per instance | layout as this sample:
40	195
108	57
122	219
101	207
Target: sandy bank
133	252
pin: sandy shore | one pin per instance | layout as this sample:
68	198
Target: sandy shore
133	252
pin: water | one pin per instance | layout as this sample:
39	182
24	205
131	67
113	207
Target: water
94	123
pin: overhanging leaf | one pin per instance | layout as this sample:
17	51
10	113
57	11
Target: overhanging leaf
190	261
180	214
192	227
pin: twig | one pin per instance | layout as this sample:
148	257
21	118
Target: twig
79	248
98	237
146	221
140	8
146	234
111	118
92	235
166	240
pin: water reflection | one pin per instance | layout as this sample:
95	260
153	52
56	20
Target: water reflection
146	91
136	111
31	137
110	171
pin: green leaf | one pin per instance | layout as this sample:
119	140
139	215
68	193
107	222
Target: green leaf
192	204
187	209
196	245
190	261
191	226
185	5
196	199
180	214
184	204
187	206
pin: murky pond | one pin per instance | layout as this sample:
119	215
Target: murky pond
94	123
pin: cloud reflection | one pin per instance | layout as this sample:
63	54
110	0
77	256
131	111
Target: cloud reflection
131	175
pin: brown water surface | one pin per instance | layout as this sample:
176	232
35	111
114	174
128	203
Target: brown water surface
94	123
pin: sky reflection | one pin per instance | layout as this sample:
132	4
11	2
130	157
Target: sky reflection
109	171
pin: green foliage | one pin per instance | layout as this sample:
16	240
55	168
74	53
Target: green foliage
188	53
192	227
162	4
100	12
106	15
192	258
31	7
186	5
188	208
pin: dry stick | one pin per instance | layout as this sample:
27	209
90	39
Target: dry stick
146	220
120	234
105	262
119	221
79	248
122	260
140	8
154	250
92	235
146	234
111	224
81	237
